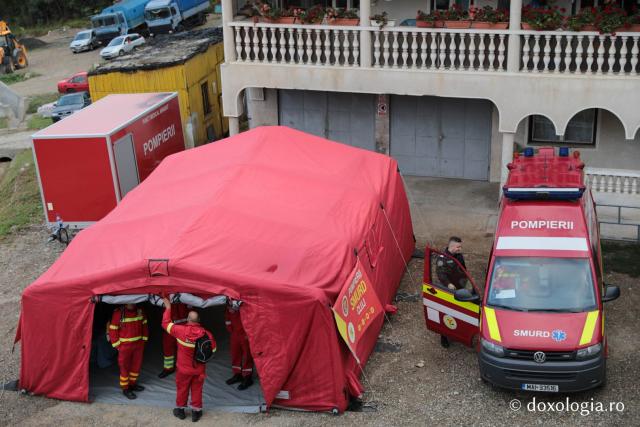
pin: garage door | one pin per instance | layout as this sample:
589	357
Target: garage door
344	117
441	137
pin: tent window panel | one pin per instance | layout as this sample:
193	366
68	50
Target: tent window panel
580	131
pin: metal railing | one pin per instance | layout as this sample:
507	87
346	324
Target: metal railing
626	229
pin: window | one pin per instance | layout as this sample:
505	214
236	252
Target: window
206	105
580	131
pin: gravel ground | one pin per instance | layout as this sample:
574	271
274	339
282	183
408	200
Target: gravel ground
413	382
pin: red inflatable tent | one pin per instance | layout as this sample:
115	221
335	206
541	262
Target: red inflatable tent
273	217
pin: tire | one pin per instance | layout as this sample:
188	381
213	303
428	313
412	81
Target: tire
63	236
121	53
9	67
70	90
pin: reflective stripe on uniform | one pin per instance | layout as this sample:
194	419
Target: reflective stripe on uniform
115	344
132	339
134	374
131	319
446	296
169	326
186	344
492	323
589	327
114	327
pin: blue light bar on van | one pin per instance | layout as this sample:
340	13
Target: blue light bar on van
563	152
543	193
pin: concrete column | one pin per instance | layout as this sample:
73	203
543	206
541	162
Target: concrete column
234	126
227	31
507	155
513	51
365	36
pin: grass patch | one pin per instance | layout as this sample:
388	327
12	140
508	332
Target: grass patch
621	257
4	123
38	101
21	203
36	122
43	30
12	78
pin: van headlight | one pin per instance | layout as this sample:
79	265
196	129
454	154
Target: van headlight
495	349
586	353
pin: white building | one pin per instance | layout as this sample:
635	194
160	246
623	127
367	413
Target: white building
443	102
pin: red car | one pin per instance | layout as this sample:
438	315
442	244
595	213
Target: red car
76	83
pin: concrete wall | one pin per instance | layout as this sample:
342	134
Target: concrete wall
15	105
262	112
612	150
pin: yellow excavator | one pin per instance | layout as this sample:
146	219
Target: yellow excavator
13	55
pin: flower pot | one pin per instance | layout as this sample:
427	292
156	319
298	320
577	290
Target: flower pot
526	26
281	20
390	23
457	24
439	24
481	25
345	21
633	28
500	26
588	27
424	24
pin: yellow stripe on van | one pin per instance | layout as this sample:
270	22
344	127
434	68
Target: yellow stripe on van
492	323
446	296
589	327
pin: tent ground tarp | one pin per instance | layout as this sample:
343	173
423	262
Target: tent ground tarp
273	217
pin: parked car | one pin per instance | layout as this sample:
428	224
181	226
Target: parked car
76	83
121	45
84	40
69	104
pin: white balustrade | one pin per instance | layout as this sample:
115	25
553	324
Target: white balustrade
437	49
618	181
579	52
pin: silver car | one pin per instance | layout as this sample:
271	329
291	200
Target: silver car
84	40
69	104
121	45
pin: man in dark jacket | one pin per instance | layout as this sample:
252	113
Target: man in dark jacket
449	273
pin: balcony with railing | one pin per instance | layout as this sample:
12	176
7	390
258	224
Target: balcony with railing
431	49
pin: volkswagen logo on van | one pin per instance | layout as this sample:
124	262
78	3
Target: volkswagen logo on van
539	357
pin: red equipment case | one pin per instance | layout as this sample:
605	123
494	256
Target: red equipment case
87	162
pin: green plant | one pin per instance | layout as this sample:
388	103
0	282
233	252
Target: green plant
381	19
313	15
455	13
38	101
489	14
543	18
265	10
428	17
19	192
341	13
610	19
586	16
4	123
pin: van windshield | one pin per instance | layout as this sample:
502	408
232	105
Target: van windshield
152	15
542	284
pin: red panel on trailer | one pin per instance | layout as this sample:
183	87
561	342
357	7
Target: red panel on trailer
156	135
61	164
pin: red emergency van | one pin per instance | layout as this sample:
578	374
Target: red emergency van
540	318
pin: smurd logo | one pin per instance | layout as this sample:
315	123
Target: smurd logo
558	335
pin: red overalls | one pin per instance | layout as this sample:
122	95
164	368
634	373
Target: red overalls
241	360
128	333
178	315
190	375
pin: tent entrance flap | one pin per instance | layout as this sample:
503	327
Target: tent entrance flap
180	297
217	395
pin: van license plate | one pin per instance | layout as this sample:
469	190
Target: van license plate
540	387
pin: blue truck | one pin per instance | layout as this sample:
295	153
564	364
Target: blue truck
173	16
124	17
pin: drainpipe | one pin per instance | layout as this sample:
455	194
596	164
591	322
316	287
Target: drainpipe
513	52
365	35
227	31
507	155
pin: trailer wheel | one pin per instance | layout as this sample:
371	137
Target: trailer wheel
21	60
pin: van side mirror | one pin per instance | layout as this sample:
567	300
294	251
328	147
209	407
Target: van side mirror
611	292
465	295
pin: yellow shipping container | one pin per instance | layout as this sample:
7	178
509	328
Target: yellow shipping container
187	63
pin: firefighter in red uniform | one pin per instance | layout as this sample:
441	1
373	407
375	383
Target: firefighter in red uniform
241	360
128	333
169	344
190	375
